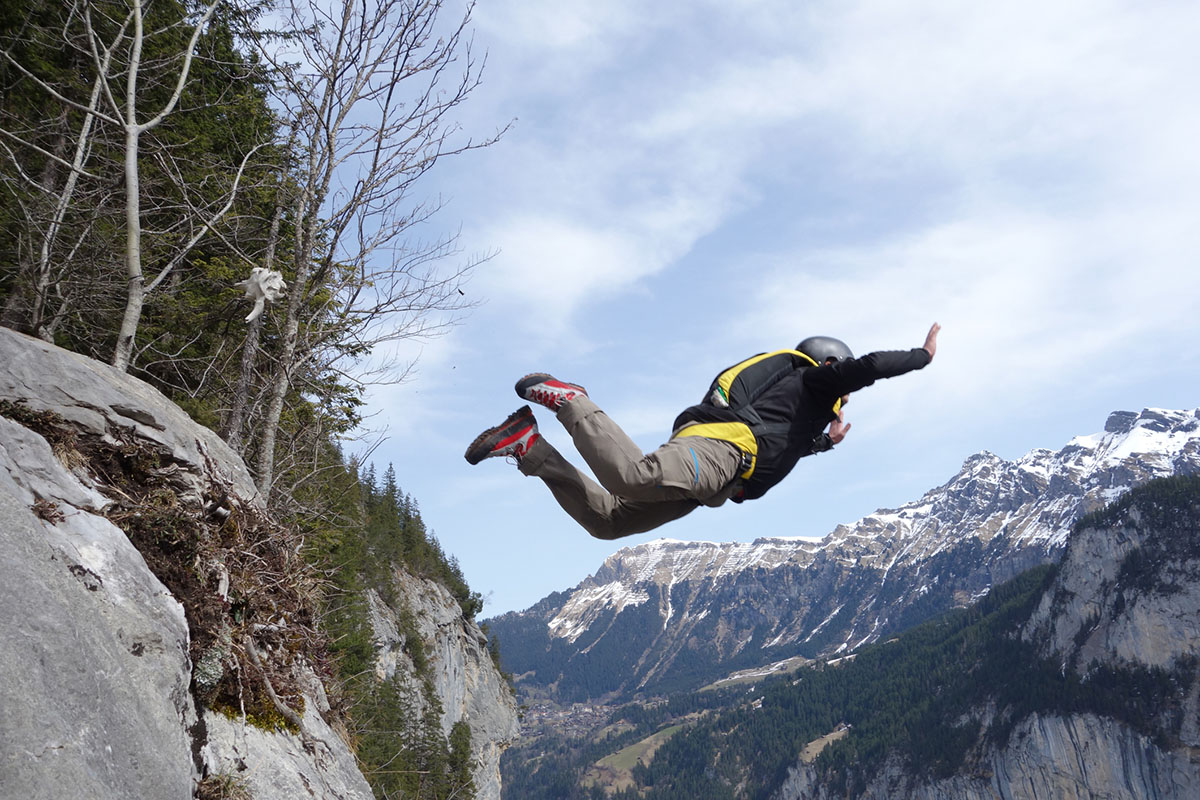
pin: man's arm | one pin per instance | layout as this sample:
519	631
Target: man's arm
843	377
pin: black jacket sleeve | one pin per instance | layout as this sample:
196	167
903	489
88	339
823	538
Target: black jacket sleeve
844	377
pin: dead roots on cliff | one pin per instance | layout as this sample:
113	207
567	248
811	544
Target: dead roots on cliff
238	574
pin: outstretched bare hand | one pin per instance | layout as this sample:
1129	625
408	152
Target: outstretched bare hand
931	340
839	428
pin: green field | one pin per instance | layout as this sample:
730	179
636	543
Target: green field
615	771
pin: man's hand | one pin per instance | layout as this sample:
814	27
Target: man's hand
838	428
931	340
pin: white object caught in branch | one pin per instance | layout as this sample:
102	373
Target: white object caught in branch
262	286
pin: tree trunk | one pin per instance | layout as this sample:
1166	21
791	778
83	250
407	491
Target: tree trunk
136	287
236	423
136	284
291	338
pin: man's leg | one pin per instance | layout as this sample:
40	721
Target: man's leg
637	492
692	467
601	513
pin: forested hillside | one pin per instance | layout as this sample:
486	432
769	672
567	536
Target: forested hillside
152	154
399	742
890	694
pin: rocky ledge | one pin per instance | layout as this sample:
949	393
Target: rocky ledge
112	502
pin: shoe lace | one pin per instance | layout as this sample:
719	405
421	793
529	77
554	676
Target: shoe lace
546	398
519	450
515	455
552	398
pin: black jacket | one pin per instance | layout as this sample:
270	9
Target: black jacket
795	411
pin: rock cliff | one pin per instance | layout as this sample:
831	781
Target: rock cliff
1065	758
1128	591
467	685
1126	597
104	664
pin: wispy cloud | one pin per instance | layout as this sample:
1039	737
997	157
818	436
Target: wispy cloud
689	182
1016	102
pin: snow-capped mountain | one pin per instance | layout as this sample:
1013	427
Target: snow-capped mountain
672	614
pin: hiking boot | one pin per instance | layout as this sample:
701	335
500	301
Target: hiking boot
513	437
538	387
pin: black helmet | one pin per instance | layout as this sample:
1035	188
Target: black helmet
824	348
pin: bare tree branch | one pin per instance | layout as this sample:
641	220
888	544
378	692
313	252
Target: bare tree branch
371	90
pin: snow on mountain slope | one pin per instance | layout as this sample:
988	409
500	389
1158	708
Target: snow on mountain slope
689	606
1035	499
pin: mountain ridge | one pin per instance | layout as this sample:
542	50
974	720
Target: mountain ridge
668	613
1075	679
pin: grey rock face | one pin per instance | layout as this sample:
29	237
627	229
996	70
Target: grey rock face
96	397
93	649
465	680
95	700
1128	593
1073	758
1120	422
283	765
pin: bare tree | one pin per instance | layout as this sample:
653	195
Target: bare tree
235	423
116	50
126	108
20	141
371	86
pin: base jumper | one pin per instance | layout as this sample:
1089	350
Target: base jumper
759	418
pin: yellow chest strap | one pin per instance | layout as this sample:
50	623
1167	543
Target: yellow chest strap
738	433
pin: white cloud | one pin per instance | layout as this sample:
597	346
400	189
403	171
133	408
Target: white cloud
551	265
1012	103
550	25
691	182
556	263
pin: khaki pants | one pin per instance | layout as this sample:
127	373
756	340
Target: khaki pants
637	492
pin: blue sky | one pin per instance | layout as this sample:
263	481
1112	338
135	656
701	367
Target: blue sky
686	184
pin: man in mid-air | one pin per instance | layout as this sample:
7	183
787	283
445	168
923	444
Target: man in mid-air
758	419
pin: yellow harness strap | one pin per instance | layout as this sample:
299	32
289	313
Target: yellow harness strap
726	378
736	433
